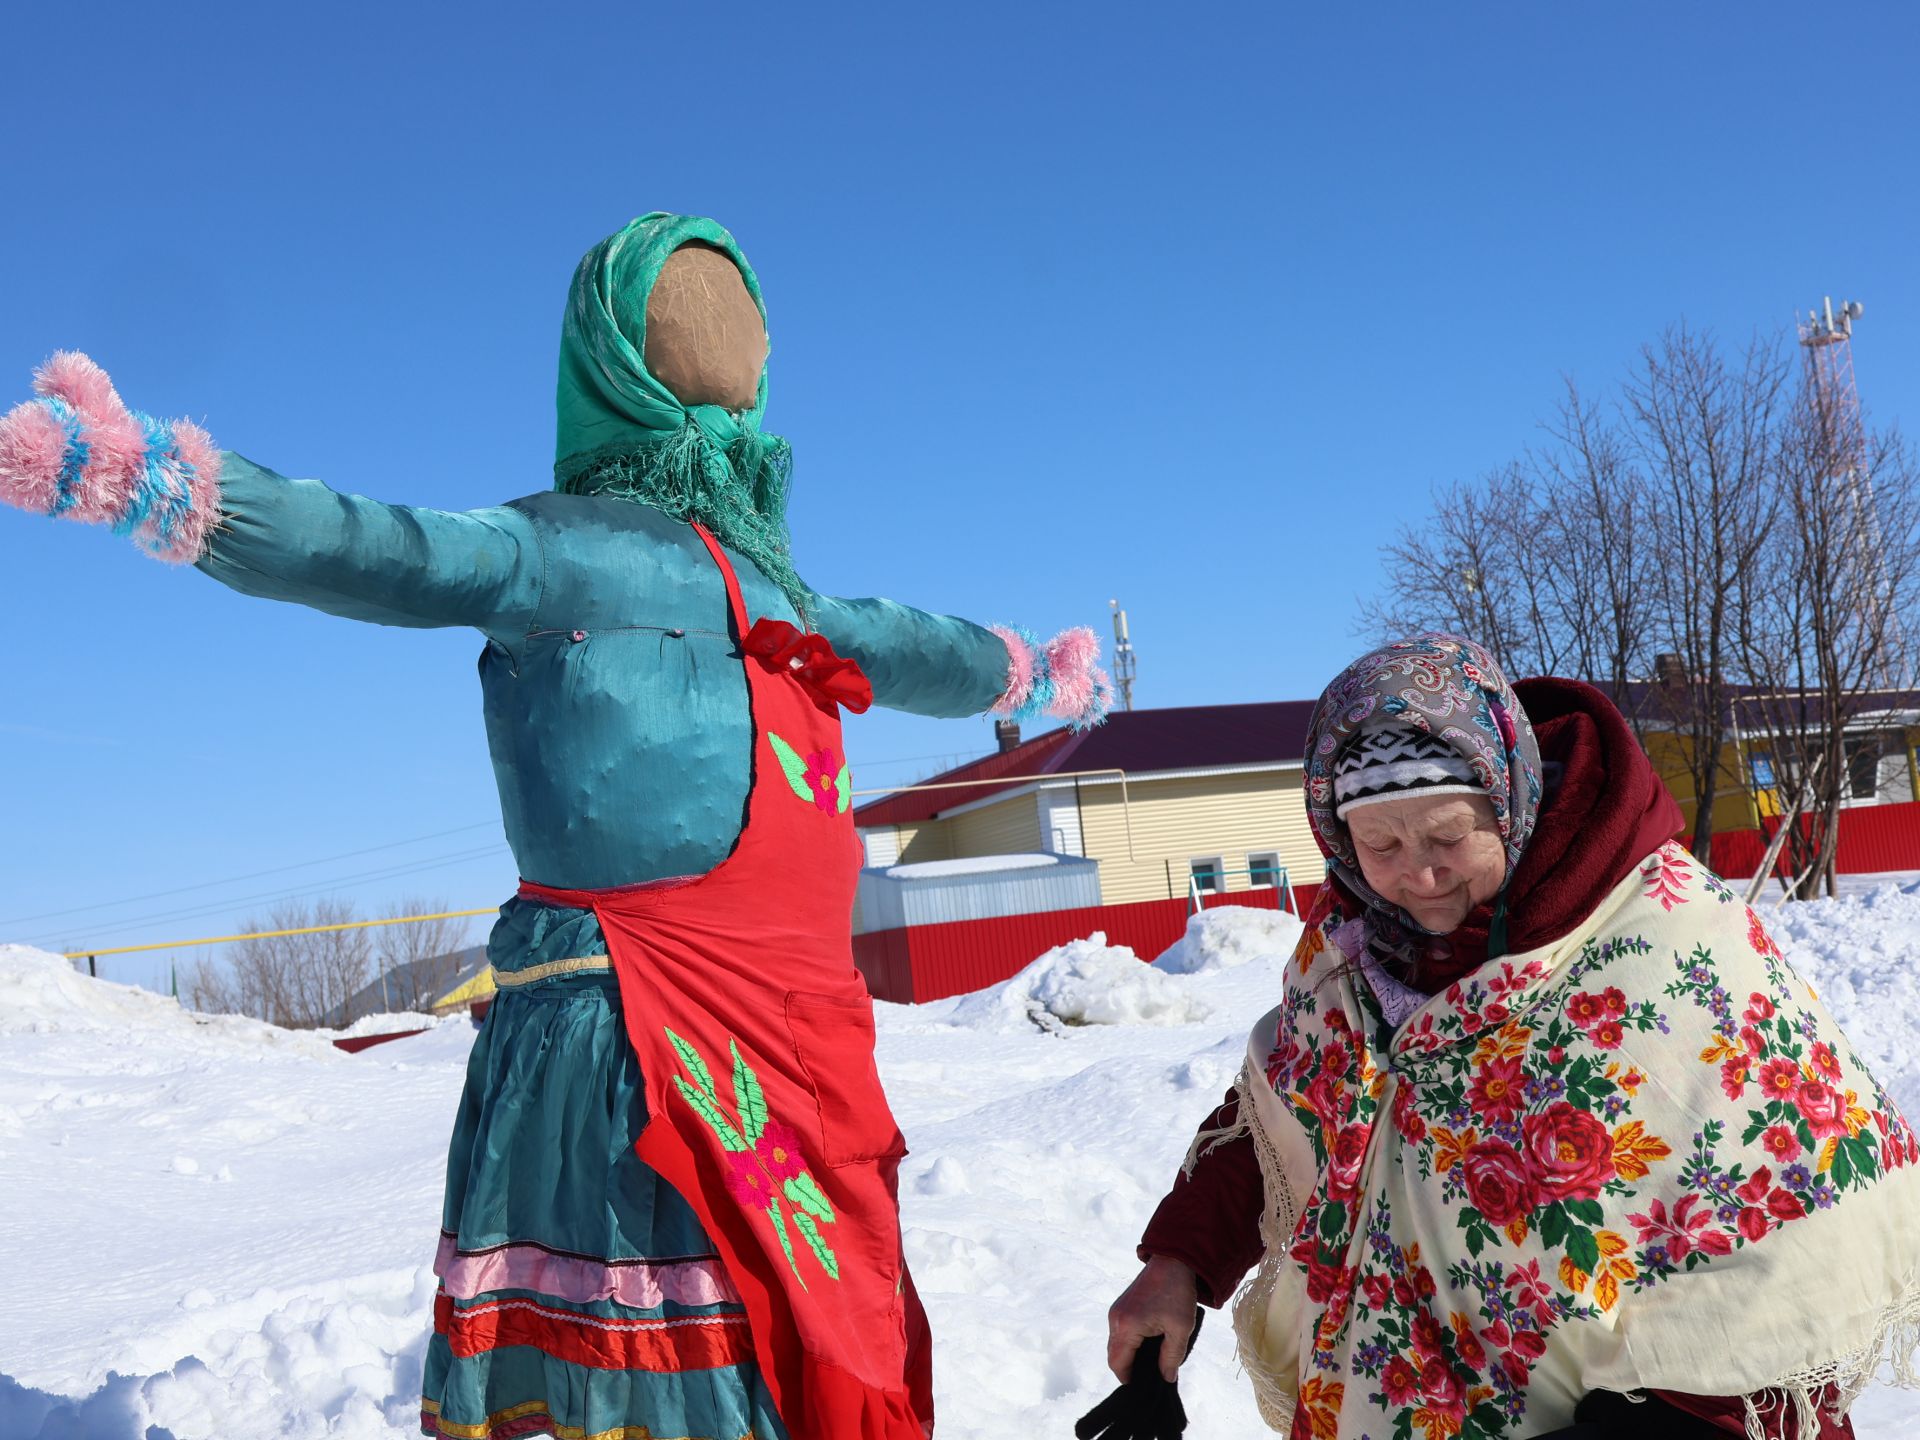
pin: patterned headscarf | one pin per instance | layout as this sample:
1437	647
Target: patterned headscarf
1451	689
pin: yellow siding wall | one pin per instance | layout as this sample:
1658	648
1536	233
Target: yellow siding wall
1733	806
1009	827
1177	821
929	841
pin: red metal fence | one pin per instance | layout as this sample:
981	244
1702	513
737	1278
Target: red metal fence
1873	838
930	962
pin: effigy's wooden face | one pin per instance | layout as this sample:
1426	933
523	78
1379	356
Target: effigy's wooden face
705	339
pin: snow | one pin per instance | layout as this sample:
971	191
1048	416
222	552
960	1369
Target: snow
393	1023
217	1229
1084	982
1230	935
978	865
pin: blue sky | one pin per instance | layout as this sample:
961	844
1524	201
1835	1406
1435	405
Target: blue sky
1187	307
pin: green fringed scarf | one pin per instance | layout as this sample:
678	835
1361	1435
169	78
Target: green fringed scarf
621	432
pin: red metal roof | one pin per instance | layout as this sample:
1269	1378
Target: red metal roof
1140	742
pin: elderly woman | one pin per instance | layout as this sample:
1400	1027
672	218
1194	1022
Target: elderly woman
1544	1136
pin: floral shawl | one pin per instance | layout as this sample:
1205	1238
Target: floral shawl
1641	1156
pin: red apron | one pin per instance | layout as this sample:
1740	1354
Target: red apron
755	1037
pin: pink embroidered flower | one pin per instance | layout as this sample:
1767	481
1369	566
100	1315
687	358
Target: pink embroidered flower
1497	1182
1324	1281
1336	1057
1406	1118
1753	1041
1569	1152
1401	1382
1754	1223
1378	1289
1783	1206
779	1151
823	780
1586	1010
1607	1035
1328	1099
747	1182
1615	1001
1426	1338
1825	1061
1735	1074
1466	1344
1757	936
1496	1091
1779	1079
1759	1008
1343	1164
1824	1109
1781	1143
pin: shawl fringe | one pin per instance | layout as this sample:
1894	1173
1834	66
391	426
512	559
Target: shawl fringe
1896	1338
1273	1392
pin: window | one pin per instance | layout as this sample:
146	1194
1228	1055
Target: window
1263	869
1209	875
1863	768
1762	762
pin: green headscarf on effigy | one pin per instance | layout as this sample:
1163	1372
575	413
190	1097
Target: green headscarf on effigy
621	432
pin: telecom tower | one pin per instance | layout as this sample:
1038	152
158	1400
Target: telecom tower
1827	337
1123	662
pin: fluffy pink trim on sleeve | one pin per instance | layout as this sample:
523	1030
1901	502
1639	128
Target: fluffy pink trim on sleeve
33	446
196	451
116	457
110	459
1082	693
73	377
1020	667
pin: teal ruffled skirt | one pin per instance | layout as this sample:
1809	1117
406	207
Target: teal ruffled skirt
579	1297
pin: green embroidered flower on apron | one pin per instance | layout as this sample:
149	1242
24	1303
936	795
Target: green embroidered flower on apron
765	1165
820	777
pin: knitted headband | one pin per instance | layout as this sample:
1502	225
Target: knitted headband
1390	761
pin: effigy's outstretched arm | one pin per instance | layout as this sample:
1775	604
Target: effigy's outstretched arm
78	453
945	666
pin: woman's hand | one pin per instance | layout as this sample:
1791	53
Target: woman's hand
1160	1301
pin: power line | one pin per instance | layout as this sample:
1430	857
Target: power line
270	896
251	875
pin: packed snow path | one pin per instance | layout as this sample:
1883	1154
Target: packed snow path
218	1229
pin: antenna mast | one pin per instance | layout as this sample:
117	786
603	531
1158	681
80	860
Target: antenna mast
1124	668
1827	337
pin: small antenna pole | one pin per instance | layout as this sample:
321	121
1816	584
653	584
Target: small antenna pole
1124	667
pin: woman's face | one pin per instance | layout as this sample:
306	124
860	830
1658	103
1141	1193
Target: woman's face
1435	856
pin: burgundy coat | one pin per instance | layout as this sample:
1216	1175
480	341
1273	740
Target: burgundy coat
1604	811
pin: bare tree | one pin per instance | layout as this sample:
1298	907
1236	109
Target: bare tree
1820	627
1707	433
1469	570
298	980
417	961
1596	549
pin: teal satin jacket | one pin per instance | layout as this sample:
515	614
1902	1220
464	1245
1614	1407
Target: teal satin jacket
615	704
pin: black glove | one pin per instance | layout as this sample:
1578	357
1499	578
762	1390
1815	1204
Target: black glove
1148	1406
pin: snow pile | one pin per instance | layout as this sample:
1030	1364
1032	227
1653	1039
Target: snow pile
1230	935
215	1237
1084	982
392	1023
42	994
